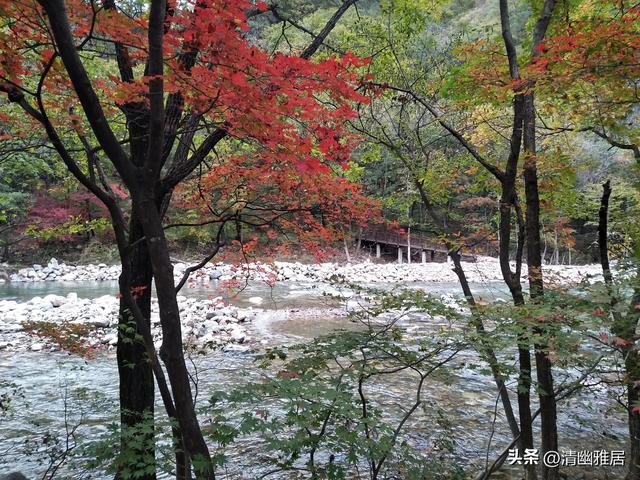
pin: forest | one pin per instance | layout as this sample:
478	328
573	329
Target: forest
330	239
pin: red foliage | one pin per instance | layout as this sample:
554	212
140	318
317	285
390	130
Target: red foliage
66	336
293	107
593	47
272	197
288	113
52	208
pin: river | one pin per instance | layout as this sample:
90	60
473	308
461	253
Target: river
55	389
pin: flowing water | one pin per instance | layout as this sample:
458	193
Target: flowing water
54	391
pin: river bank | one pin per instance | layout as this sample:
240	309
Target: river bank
485	269
205	323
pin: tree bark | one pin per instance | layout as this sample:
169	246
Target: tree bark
603	233
544	374
509	203
134	370
171	351
632	368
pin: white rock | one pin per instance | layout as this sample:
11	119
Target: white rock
8	305
98	322
256	300
238	335
10	328
55	300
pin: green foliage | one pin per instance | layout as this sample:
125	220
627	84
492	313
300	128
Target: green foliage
321	406
73	226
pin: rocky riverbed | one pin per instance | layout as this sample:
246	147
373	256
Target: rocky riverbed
211	322
485	269
204	322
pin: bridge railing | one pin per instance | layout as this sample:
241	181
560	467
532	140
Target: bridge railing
396	238
418	242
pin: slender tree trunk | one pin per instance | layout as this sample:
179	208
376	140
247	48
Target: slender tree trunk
632	367
509	203
624	328
603	233
548	414
346	249
485	349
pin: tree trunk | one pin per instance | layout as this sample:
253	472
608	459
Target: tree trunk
486	350
509	203
134	370
171	351
624	328
548	414
476	320
346	249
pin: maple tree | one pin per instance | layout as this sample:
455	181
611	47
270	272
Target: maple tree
588	70
188	78
265	202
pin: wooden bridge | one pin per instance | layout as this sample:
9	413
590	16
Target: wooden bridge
409	245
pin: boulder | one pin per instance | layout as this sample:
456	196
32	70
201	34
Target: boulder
55	300
98	322
211	327
238	336
8	305
13	476
215	275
